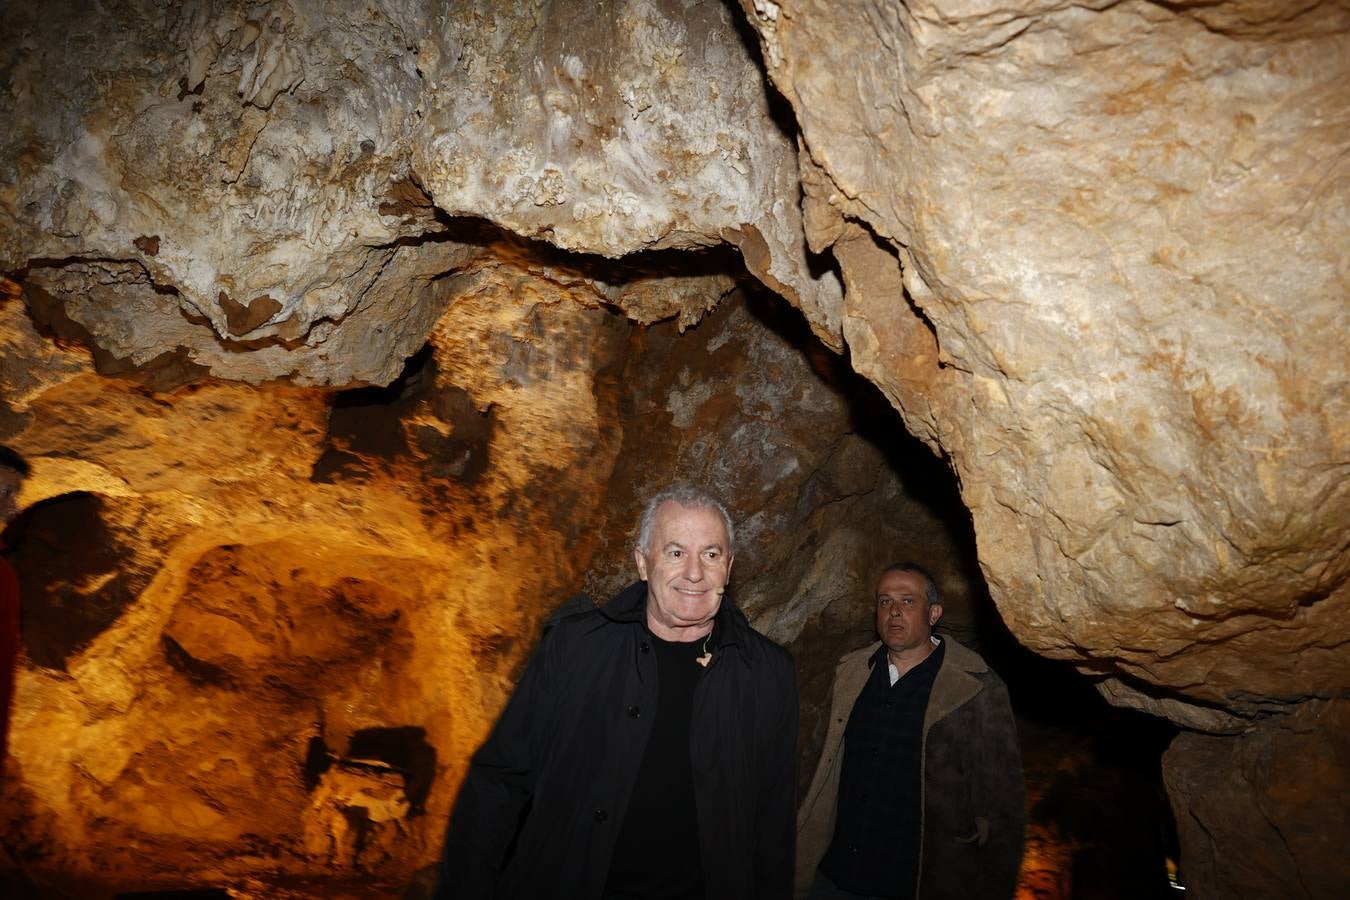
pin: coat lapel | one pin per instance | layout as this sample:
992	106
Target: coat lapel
955	684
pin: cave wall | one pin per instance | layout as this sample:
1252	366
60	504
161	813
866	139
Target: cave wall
1120	229
1290	775
1093	254
289	615
1046	219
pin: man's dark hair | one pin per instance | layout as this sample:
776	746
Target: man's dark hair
930	588
9	459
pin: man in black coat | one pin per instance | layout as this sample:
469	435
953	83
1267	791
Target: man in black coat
649	749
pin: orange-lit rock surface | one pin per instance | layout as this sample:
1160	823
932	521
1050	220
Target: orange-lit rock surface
265	632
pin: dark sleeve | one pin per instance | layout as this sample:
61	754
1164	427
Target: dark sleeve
1005	797
497	789
776	817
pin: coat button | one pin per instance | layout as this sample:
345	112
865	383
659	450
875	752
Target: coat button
601	815
645	647
634	712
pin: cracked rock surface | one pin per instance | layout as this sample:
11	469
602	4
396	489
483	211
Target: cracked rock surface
254	184
281	618
1120	228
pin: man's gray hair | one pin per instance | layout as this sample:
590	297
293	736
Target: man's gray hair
689	497
930	588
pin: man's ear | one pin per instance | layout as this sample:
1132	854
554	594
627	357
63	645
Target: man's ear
934	613
641	561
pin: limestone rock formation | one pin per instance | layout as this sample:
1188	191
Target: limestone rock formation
1121	229
256	614
614	127
268	625
1289	775
247	185
209	177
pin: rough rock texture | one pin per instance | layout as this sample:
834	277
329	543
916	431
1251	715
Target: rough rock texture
284	229
1120	230
1289	776
1094	253
613	127
289	616
266	626
209	176
1121	227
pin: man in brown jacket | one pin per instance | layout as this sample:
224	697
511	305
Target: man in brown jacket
918	794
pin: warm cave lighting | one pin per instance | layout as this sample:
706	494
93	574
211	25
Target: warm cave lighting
1172	880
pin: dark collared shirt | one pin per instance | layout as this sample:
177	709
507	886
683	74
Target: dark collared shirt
875	850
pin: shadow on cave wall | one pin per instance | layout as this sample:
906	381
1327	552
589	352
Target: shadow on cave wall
73	575
403	749
367	427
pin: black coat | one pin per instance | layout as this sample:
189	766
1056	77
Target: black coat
541	806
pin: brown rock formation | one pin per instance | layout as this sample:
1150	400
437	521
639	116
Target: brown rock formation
1149	432
1069	195
287	616
1288	776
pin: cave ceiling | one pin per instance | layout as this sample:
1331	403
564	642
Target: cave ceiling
1093	254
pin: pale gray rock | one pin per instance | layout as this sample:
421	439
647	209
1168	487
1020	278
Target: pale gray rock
223	177
615	127
202	174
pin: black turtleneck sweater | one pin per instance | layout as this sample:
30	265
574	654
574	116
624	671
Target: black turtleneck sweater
657	854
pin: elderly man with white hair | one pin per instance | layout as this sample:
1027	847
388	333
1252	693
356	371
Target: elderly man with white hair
649	750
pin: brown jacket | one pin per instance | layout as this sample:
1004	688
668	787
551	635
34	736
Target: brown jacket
973	806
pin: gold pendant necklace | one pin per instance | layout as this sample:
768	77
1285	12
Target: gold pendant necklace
706	657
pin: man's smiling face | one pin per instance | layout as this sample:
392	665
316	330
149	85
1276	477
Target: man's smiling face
686	566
